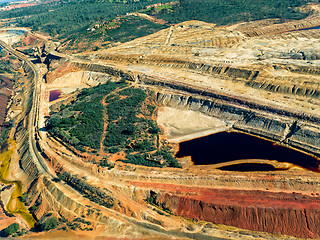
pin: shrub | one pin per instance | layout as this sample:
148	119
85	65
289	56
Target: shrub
11	229
48	224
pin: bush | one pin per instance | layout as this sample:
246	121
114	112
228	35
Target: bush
11	229
48	224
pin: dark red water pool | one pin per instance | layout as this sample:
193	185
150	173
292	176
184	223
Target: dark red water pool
225	147
54	95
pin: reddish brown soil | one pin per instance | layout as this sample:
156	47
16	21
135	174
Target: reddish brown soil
29	42
292	214
117	156
5	92
60	71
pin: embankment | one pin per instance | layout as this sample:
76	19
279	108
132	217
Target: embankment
292	214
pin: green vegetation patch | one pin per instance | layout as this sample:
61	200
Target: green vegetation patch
131	128
106	32
11	229
230	11
81	122
5	66
47	224
67	16
129	28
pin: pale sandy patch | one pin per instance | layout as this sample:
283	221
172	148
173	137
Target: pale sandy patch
181	125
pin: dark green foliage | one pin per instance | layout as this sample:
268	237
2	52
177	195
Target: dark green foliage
48	224
123	123
168	156
143	146
5	130
20	233
131	27
130	127
5	66
231	11
24	197
105	163
124	29
151	109
153	129
81	124
11	229
140	159
33	208
81	224
67	16
82	221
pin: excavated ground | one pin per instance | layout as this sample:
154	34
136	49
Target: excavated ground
260	81
275	67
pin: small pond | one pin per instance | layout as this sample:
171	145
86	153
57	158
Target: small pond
54	95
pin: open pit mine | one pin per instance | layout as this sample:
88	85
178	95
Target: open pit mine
239	104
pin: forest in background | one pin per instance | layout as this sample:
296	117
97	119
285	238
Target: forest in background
72	22
66	17
224	12
69	16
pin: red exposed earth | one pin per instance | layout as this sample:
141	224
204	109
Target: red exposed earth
5	92
292	214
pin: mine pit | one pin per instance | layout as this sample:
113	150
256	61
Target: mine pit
245	153
54	95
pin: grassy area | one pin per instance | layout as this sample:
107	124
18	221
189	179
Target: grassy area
224	12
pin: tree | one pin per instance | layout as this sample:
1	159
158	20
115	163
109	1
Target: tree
46	225
11	229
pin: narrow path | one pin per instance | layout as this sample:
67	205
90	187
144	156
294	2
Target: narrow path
105	125
105	118
169	35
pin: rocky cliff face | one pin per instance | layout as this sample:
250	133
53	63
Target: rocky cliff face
222	70
281	213
281	126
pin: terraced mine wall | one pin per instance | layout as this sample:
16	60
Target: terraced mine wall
223	71
22	134
249	76
292	128
35	175
281	28
233	203
282	213
104	69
